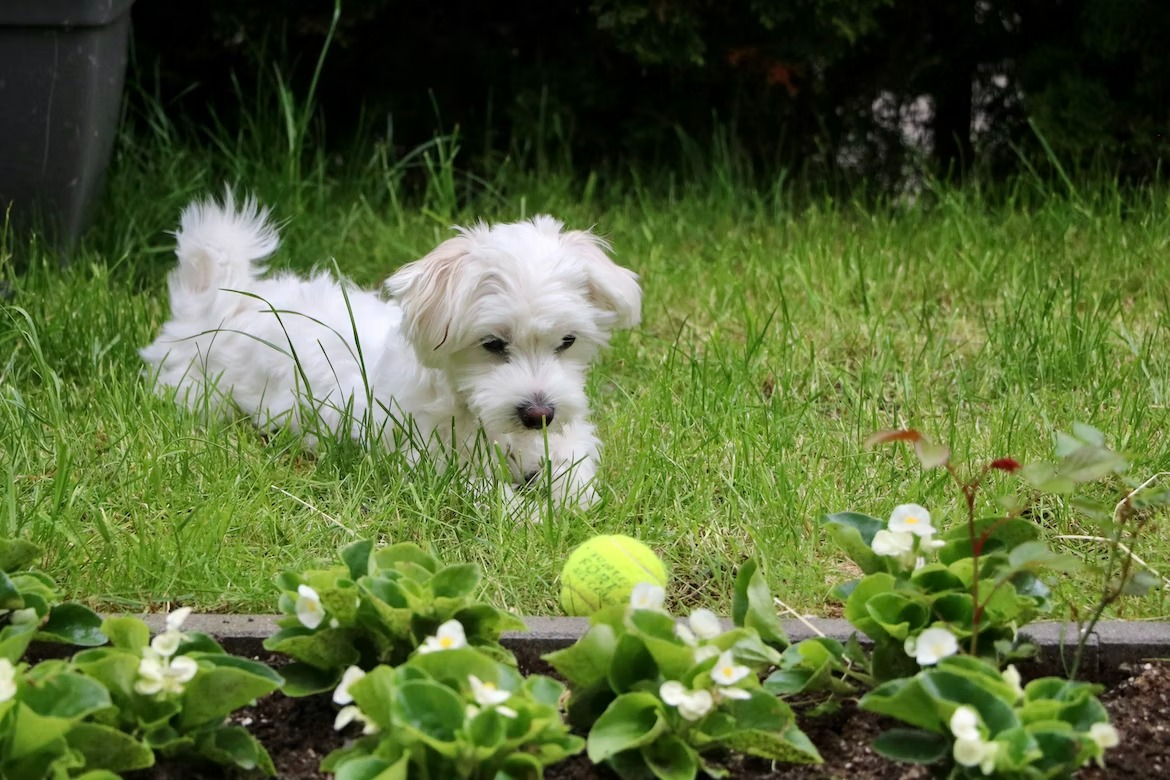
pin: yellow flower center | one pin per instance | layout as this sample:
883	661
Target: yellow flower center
911	521
728	671
446	642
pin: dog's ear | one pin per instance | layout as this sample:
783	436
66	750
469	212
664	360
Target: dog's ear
427	292
613	289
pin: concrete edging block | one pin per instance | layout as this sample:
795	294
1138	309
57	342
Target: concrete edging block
1114	645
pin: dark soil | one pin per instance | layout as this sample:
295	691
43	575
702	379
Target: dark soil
299	733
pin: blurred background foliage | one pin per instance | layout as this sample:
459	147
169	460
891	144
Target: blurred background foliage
843	92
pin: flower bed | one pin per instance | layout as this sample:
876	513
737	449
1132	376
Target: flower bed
388	666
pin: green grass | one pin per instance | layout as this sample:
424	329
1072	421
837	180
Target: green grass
779	331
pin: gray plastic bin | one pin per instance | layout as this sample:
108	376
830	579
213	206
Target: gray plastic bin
62	65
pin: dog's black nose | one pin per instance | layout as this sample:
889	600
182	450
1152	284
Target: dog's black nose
531	477
535	414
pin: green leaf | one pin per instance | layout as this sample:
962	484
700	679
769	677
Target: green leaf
1031	554
853	532
389	605
356	557
905	700
329	648
14	641
431	709
373	768
341	601
17	554
109	748
912	746
452	668
1044	477
374	694
1089	464
670	758
485	622
752	606
1088	434
456	581
958	609
586	661
937	578
486	730
785	682
65	695
765	726
218	691
631	721
301	679
994	706
632	664
1009	531
1140	583
10	596
234	746
115	669
75	624
126	633
856	613
404	553
897	614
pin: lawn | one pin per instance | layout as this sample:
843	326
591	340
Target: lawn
779	330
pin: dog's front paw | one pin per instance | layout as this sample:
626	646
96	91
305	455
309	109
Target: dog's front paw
573	485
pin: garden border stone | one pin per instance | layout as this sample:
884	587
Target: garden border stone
1114	645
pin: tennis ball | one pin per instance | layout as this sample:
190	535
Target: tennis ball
604	571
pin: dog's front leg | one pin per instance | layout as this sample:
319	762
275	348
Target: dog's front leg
572	458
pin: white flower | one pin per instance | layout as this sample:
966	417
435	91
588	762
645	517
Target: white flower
341	694
164	675
1011	675
7	680
647	595
692	705
732	693
184	668
486	694
25	616
727	671
686	635
892	544
931	646
1104	735
911	519
309	609
705	652
976	752
965	723
705	624
167	643
176	619
450	636
347	715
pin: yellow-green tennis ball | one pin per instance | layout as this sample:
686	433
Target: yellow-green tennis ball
604	571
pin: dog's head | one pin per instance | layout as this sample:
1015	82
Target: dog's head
514	314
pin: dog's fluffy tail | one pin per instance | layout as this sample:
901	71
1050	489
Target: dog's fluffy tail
221	249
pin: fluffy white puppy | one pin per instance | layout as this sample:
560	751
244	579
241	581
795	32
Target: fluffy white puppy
478	356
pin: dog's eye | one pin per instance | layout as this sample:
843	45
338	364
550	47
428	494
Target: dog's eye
566	342
496	346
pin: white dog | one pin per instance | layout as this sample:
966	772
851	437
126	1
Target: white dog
480	353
